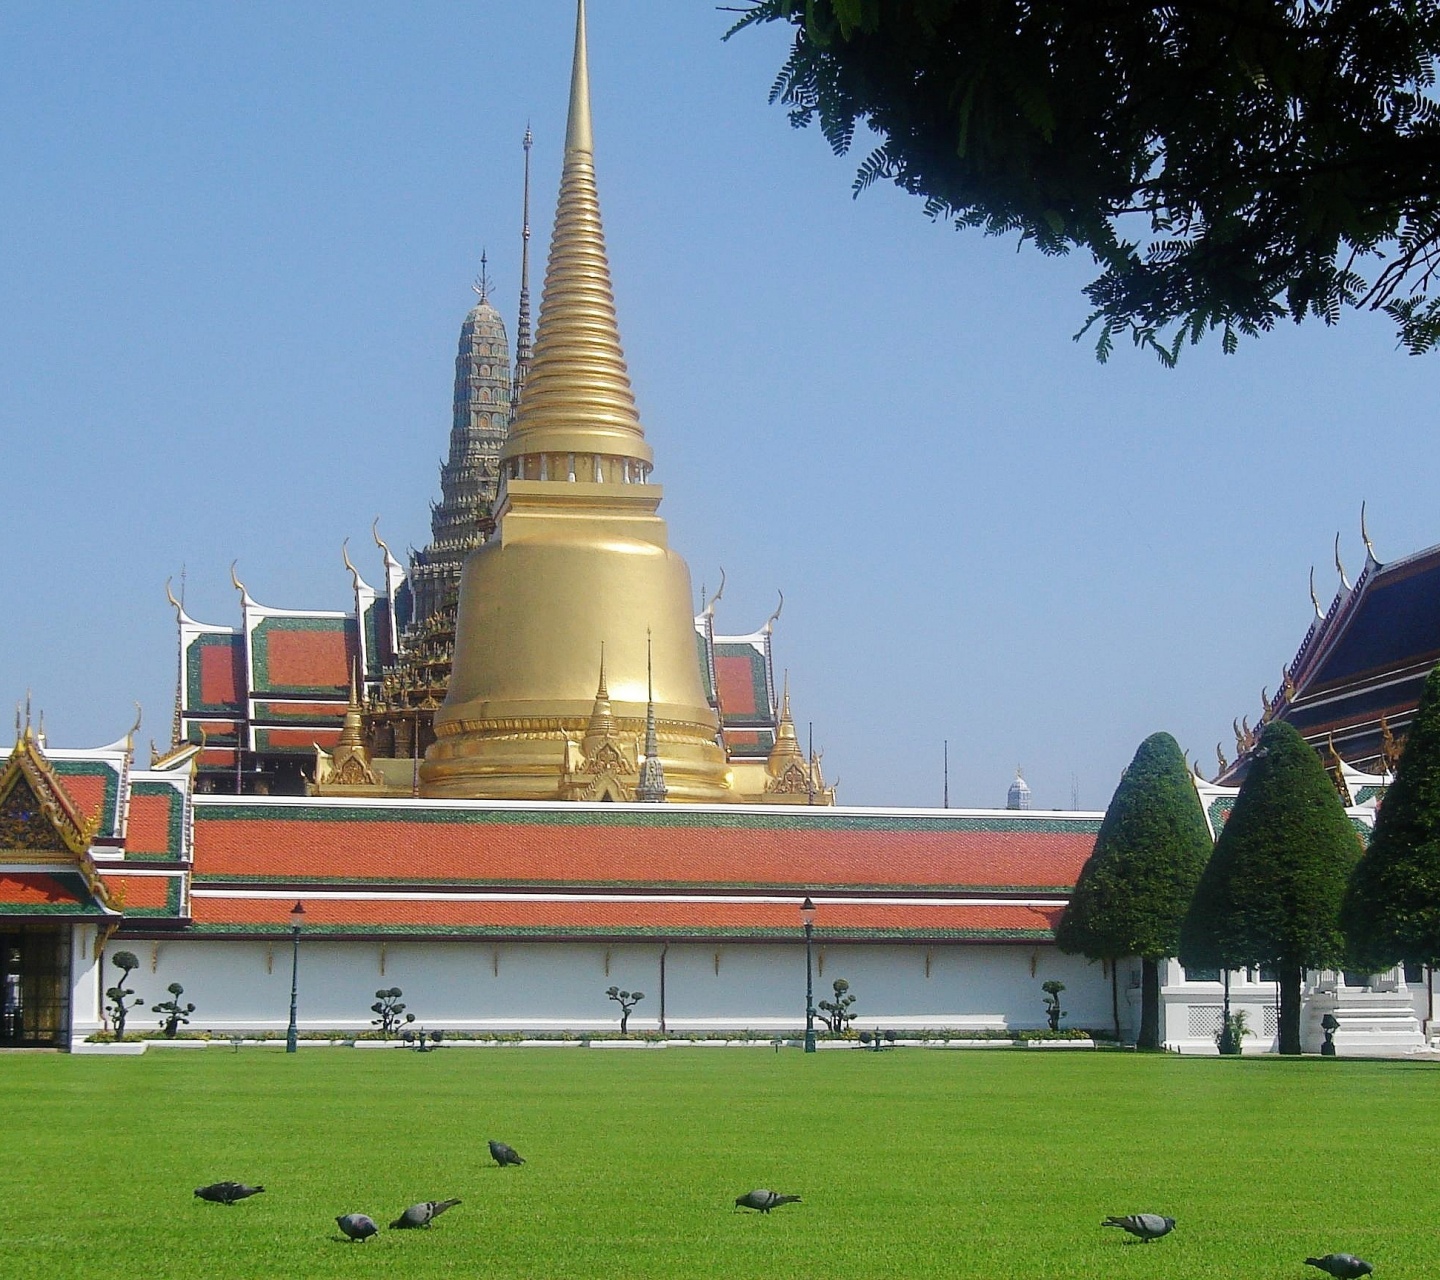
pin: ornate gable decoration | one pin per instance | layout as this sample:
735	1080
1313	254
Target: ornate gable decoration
37	814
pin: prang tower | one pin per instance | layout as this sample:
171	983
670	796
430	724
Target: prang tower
580	561
470	476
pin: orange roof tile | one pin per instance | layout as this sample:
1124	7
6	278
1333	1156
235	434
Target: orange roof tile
658	917
583	848
149	830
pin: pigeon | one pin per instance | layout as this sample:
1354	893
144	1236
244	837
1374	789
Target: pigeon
1143	1226
764	1200
423	1214
1343	1266
505	1154
357	1226
227	1192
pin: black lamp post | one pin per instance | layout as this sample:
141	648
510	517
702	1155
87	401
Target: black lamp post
297	918
807	912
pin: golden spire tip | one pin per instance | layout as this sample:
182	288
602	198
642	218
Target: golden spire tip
578	135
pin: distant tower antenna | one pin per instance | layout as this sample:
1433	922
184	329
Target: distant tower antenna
946	800
482	281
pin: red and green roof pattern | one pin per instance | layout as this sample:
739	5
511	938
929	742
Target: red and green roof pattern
49	895
568	871
558	918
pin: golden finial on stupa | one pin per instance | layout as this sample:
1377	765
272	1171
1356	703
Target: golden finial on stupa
602	718
578	398
786	751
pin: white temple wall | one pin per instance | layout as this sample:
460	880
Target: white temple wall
559	986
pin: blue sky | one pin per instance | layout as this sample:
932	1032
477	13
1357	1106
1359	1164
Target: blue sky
237	247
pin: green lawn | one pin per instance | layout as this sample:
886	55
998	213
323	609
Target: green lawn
912	1163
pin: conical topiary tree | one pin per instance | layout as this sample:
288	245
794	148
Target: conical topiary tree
1392	907
1271	894
1136	886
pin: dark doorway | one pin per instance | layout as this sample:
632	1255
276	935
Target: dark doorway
34	985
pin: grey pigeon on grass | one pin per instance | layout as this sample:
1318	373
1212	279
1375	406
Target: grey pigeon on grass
1145	1227
1343	1266
227	1192
505	1154
763	1200
422	1214
358	1226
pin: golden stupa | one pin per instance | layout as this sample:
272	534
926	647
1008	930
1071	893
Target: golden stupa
579	564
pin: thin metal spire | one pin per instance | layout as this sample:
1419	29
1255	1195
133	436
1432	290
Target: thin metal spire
482	281
522	323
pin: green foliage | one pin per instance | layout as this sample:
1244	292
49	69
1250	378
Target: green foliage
1052	988
888	1150
1226	165
1233	1030
1136	886
172	1012
1392	907
627	1000
122	999
1271	894
835	1014
389	1011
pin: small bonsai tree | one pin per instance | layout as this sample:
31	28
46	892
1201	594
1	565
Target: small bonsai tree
122	998
172	1012
835	1014
1052	989
627	1000
390	1011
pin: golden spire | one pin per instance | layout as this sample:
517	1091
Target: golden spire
786	750
602	719
352	732
577	390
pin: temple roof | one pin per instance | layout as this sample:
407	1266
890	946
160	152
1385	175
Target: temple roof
1357	676
547	844
367	916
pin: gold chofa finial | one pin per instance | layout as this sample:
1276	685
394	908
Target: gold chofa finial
354	572
174	603
775	617
1340	568
1365	535
709	605
1314	599
238	585
380	542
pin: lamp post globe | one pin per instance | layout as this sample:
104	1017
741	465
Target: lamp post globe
807	913
297	918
